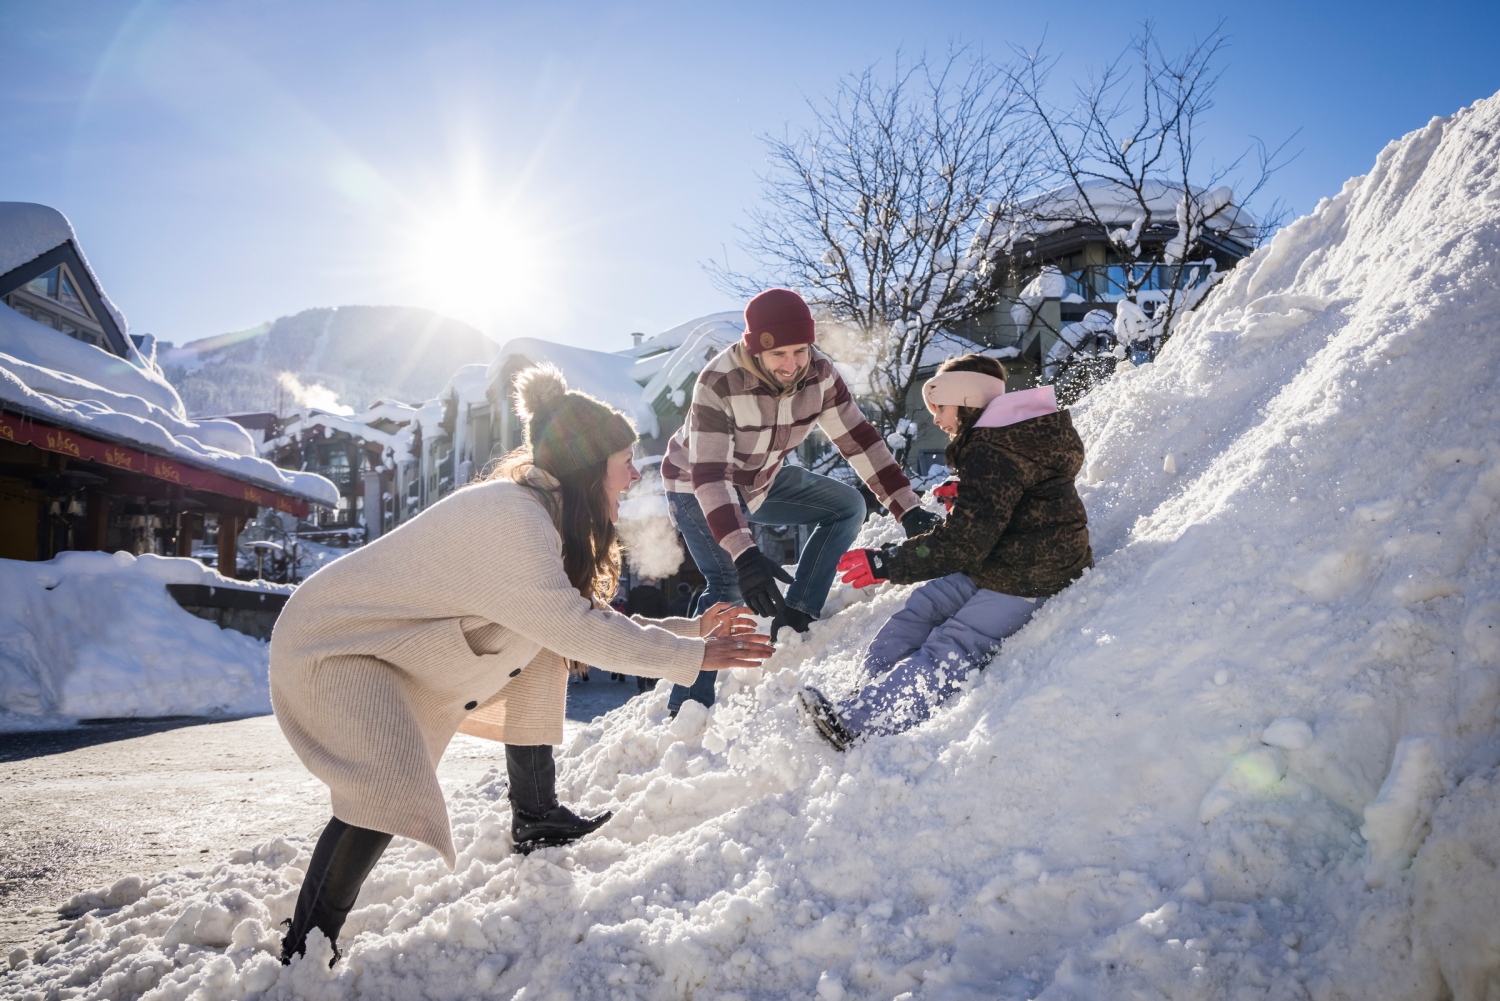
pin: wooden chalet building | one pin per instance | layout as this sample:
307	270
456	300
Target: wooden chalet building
96	451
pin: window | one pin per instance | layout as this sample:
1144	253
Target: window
337	469
53	300
58	285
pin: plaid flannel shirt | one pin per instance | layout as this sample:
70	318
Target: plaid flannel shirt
739	431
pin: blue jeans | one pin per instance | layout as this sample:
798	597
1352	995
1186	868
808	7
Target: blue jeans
948	627
797	497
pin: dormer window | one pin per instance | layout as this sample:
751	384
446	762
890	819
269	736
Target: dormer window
53	299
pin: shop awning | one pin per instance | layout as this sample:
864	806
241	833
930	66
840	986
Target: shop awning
64	441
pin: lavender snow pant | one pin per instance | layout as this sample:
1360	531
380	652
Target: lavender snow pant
948	627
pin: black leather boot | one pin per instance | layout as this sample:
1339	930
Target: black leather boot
537	820
558	826
340	864
825	718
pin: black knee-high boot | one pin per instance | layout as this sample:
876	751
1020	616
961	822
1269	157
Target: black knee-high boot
537	820
533	777
340	864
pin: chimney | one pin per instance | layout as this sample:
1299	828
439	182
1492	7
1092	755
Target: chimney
637	338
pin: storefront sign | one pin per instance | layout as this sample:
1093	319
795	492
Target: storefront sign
23	431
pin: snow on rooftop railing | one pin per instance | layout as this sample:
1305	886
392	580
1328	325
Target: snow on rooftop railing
1117	204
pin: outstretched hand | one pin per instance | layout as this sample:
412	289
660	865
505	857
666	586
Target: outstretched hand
726	619
947	492
720	653
863	567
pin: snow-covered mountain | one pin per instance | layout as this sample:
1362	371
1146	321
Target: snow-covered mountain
358	354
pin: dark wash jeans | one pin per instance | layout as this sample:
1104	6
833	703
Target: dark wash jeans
797	497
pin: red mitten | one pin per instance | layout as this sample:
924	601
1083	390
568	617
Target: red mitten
947	492
863	567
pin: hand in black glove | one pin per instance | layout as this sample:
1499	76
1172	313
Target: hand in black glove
758	576
917	521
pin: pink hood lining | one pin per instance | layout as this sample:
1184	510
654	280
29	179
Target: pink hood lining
1013	408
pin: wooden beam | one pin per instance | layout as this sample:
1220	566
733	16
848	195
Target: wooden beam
229	533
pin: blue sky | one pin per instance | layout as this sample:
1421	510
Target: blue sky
561	170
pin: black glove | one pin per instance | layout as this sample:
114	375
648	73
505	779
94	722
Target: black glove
758	576
917	521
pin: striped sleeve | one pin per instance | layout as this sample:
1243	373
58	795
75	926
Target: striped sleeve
863	448
710	441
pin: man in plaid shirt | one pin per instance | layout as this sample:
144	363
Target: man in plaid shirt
754	403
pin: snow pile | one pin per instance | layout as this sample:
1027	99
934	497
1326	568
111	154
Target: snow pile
1204	770
89	635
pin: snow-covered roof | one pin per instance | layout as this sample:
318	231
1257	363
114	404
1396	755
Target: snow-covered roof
54	378
1117	204
355	425
603	375
945	345
682	352
429	418
471	383
29	230
669	340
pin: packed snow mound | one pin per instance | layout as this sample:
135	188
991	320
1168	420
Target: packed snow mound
89	635
1204	770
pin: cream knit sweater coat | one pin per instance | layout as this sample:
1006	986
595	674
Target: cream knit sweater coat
459	619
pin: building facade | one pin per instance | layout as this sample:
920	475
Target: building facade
96	451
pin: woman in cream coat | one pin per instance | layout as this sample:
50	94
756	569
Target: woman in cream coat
464	619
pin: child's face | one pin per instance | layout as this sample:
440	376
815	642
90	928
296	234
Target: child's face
945	416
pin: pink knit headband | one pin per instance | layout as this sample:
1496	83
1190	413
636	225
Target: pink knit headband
961	389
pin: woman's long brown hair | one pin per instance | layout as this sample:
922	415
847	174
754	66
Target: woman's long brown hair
985	365
590	548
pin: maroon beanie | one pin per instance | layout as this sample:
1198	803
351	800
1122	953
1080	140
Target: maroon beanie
777	318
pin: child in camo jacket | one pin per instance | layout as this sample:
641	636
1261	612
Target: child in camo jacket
1016	533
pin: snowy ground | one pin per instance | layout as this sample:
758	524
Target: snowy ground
85	805
1253	754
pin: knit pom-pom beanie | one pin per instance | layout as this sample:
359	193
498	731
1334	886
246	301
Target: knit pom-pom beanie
568	431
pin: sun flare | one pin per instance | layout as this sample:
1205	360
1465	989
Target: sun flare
472	263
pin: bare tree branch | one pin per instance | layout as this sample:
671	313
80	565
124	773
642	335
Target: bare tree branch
1127	153
888	212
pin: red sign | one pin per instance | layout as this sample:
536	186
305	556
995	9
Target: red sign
70	443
